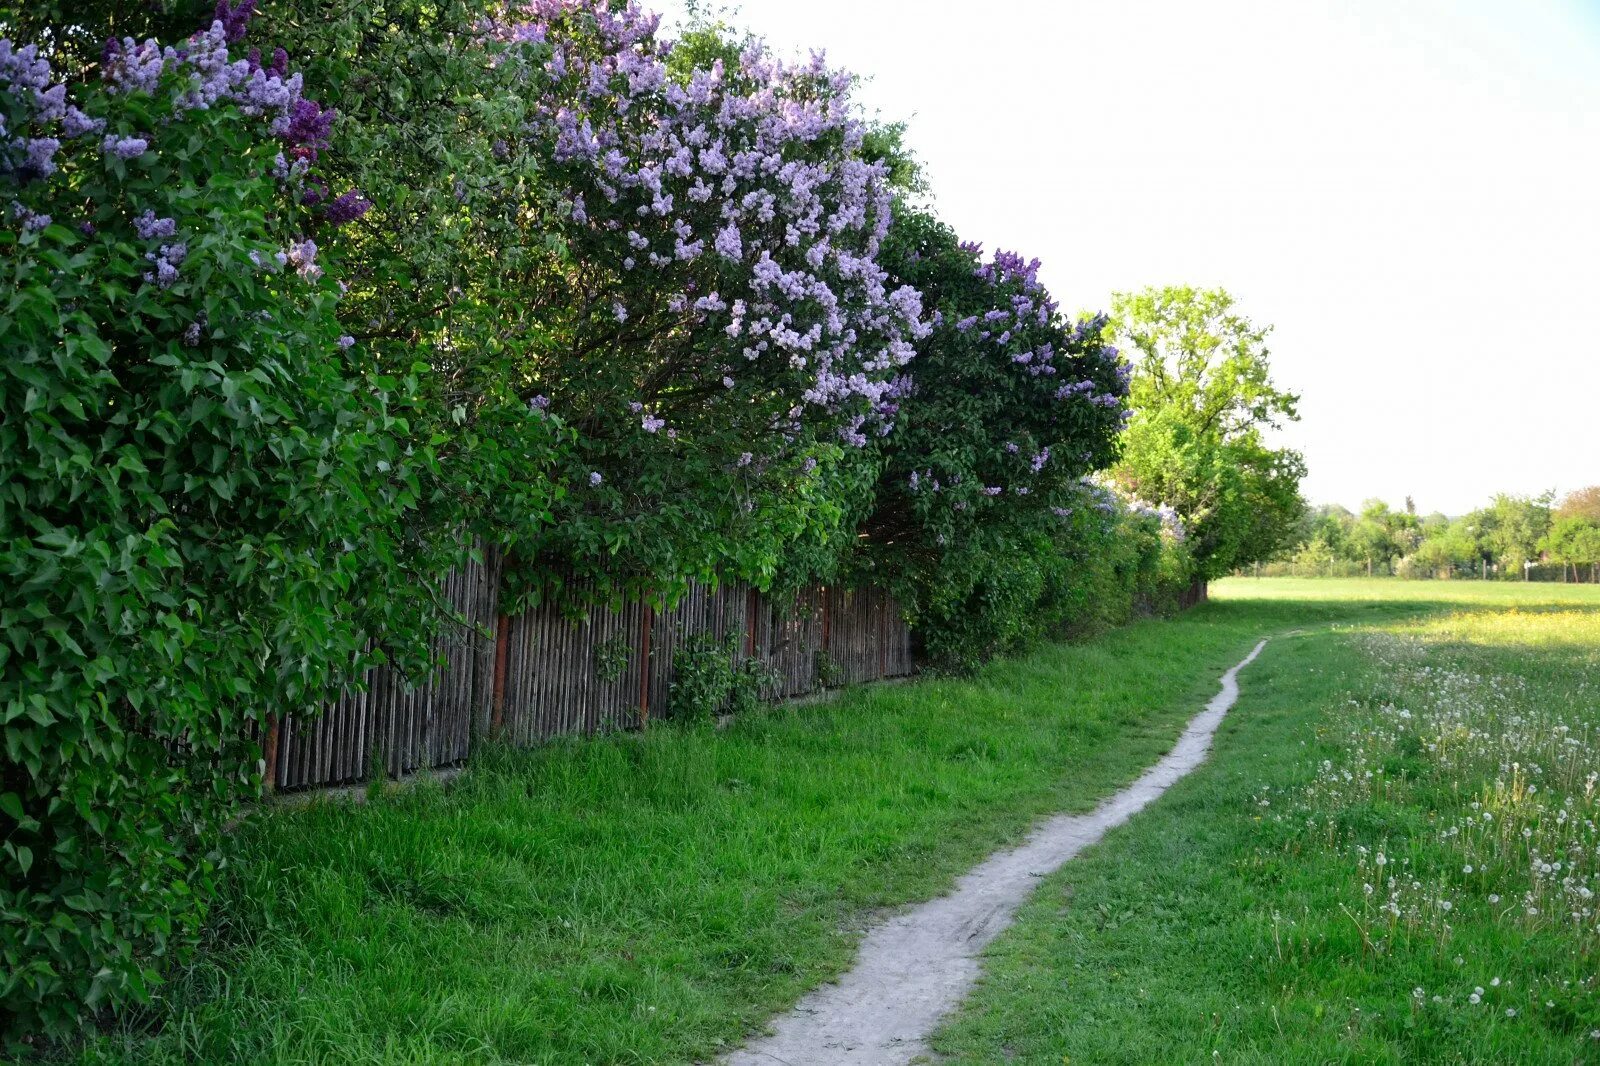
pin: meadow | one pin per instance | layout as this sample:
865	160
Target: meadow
655	897
1393	857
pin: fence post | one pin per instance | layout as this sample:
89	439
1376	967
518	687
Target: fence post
750	607
502	630
647	620
825	614
883	638
269	753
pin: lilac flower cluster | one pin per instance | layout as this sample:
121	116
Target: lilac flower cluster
302	257
1014	326
165	263
209	75
34	109
149	227
1011	325
30	221
125	148
750	178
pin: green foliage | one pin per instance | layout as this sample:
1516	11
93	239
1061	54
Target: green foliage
1069	578
533	910
430	129
1511	529
1446	549
979	511
1498	539
711	677
204	520
1202	397
611	658
1574	539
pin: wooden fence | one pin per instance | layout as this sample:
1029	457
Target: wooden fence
529	677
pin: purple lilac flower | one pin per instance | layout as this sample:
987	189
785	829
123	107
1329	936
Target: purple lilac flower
539	403
595	479
744	459
75	123
651	423
31	221
347	208
131	67
125	147
39	155
346	342
306	126
165	264
150	227
733	156
234	20
303	257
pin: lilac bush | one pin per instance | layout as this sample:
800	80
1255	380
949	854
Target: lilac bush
1006	407
197	472
720	321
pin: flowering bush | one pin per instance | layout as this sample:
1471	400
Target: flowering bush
1005	408
718	329
199	472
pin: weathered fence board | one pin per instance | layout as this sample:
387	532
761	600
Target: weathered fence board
528	677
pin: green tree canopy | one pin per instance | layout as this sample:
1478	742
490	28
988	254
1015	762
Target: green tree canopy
1573	539
1202	396
1510	529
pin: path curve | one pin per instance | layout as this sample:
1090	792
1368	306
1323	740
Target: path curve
917	967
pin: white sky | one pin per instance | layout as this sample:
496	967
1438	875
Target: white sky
1409	190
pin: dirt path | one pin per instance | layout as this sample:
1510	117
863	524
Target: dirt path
918	966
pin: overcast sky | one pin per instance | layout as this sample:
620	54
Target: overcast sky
1409	191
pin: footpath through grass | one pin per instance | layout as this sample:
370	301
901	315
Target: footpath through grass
652	898
1392	857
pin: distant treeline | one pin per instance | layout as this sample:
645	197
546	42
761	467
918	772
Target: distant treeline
1505	539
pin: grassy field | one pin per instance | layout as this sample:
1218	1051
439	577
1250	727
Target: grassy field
652	898
1392	858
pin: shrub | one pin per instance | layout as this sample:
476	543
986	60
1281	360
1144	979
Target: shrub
1006	407
721	249
200	474
710	677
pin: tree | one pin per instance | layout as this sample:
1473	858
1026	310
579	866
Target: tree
1511	528
1202	398
1446	545
1573	540
1372	536
1581	503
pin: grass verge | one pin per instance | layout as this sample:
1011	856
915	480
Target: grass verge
1392	857
651	898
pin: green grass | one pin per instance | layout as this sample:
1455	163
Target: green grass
1231	922
654	898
